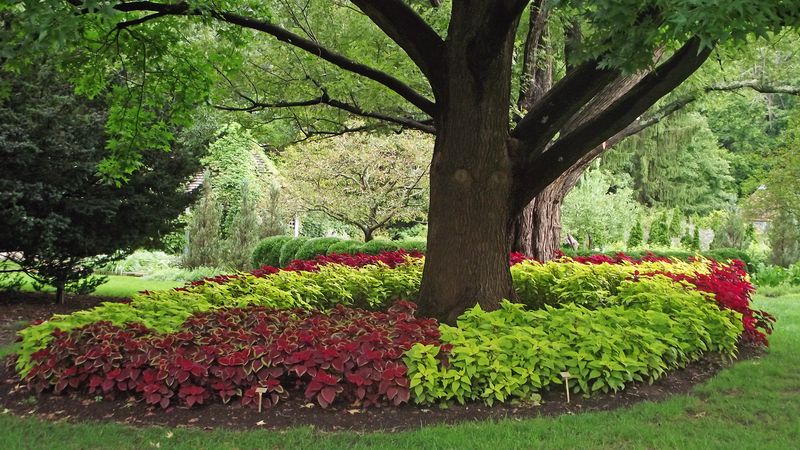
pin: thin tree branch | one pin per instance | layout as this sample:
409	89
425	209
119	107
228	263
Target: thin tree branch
324	99
286	36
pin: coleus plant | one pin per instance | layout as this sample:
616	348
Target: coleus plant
346	354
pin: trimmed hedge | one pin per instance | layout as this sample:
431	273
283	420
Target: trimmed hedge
268	251
376	246
315	247
289	250
348	247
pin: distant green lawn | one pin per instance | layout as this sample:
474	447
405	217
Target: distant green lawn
755	404
122	286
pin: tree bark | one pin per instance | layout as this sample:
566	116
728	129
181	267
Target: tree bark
471	178
60	292
536	80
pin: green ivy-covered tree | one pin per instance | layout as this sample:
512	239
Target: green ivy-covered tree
236	163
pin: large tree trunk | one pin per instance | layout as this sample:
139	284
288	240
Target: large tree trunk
545	236
471	179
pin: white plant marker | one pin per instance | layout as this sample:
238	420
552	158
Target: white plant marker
566	376
260	391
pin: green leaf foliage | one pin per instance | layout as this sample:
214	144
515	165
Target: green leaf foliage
378	245
350	247
648	328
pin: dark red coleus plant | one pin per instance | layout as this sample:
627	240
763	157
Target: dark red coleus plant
347	355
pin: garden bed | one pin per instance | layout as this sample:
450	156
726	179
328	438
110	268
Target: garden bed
331	343
294	412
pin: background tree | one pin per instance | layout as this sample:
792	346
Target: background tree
732	232
778	198
205	244
368	181
243	233
636	236
488	162
58	214
599	210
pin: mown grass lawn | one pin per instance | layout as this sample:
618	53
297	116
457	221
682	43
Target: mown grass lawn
120	286
755	404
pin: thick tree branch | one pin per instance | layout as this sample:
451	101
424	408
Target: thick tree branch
283	35
560	103
535	175
405	27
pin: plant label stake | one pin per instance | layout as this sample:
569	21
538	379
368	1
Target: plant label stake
566	376
260	391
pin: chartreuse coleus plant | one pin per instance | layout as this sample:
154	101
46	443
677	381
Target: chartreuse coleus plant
645	328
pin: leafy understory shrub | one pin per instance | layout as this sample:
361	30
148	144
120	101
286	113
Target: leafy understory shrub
141	261
347	355
650	326
181	274
268	251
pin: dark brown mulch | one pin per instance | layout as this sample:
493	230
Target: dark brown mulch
296	412
18	309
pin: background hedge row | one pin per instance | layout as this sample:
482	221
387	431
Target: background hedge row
279	251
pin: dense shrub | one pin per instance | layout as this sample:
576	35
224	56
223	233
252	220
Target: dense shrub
378	246
315	247
289	249
349	247
268	251
348	354
650	327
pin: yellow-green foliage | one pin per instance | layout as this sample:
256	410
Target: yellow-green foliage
590	285
647	328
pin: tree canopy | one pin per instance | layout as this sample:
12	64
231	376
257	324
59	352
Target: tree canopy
453	70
